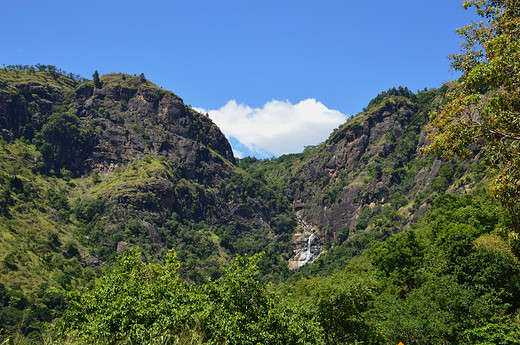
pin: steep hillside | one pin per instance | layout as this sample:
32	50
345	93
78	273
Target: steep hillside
117	162
90	170
368	180
81	127
93	169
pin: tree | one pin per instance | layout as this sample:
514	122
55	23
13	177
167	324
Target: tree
399	258
132	303
97	82
139	303
483	109
241	310
341	302
499	332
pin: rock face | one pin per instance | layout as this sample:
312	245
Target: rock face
344	156
101	128
140	169
24	104
139	119
307	245
370	169
165	175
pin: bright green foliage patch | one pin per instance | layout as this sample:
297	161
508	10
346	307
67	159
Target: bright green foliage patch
132	303
135	302
428	258
451	278
484	105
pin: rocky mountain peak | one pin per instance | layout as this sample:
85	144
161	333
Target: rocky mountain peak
89	127
360	167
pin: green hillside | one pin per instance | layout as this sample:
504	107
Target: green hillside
88	173
368	181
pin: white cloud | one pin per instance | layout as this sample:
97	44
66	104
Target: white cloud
279	127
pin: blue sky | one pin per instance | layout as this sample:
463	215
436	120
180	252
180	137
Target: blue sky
247	57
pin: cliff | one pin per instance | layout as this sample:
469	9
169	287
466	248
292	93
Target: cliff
368	181
99	128
122	164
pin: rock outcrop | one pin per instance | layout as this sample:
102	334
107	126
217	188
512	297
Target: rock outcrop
343	157
140	119
24	104
308	246
160	174
128	118
371	167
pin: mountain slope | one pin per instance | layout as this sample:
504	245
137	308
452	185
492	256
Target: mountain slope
123	164
90	169
368	180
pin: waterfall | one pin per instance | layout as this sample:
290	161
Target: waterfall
307	244
308	253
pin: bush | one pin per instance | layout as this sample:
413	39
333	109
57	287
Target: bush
134	302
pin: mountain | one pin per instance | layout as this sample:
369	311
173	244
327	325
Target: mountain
82	128
93	169
119	162
88	171
368	181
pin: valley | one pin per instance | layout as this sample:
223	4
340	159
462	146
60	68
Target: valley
103	182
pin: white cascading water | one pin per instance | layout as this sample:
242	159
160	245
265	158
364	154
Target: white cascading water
308	253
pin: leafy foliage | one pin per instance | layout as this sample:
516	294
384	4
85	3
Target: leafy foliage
483	109
458	281
242	311
452	277
393	92
133	303
44	68
136	302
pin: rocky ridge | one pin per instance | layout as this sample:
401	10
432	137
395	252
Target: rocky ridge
368	180
143	169
342	156
123	163
125	119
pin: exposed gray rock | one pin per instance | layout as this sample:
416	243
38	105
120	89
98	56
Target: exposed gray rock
307	244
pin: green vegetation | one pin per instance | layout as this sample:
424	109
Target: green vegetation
95	78
61	222
51	69
483	108
124	218
390	181
451	278
143	303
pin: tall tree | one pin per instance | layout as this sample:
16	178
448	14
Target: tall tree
97	82
483	109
